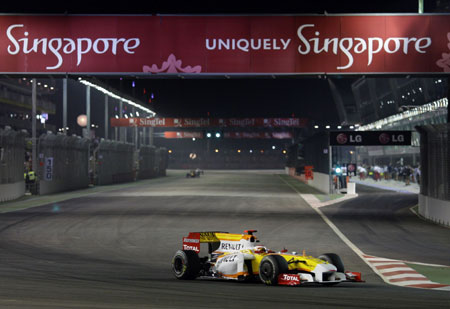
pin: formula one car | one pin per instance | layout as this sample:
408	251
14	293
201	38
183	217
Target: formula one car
194	173
238	257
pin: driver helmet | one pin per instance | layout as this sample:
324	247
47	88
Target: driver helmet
260	249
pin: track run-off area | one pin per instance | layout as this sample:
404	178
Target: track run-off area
112	246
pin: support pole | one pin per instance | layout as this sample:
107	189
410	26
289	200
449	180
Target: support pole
88	126
116	131
330	168
65	105
121	129
33	125
106	117
448	99
150	136
144	136
88	111
135	131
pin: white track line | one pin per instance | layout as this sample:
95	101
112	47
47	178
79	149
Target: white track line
380	266
339	233
314	202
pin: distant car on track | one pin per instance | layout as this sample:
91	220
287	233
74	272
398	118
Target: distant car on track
194	173
238	257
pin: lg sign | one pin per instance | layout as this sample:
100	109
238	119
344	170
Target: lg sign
345	138
395	138
368	138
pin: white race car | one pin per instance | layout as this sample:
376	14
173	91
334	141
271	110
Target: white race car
238	257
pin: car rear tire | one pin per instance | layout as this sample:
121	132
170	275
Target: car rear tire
334	259
186	264
271	267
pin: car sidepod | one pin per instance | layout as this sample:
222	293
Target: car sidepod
232	266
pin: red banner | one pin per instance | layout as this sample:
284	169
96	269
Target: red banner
235	135
260	135
225	44
209	122
173	134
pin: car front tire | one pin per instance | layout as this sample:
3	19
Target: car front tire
334	259
271	267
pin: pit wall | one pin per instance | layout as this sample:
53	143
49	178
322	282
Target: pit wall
320	182
435	210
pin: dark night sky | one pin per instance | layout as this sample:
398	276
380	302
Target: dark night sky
220	7
235	97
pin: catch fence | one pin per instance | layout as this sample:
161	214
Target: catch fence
435	161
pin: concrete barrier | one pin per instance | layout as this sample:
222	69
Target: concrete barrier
12	148
435	210
147	165
320	182
115	162
11	191
351	188
63	163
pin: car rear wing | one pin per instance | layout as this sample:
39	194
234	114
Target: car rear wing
194	239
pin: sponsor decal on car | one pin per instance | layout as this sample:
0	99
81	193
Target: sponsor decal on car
231	246
289	279
191	244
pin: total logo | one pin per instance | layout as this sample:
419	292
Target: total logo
187	247
288	277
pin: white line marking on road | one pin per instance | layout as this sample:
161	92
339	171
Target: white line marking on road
418	276
390	270
377	264
339	234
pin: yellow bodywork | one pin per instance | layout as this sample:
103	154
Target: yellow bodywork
295	262
218	236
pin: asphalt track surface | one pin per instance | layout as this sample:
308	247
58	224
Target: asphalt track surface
113	249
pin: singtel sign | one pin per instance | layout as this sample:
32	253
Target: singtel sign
234	44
